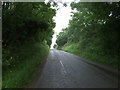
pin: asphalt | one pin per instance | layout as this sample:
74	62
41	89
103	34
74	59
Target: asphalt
65	70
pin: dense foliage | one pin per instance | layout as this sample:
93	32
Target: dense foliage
94	30
27	33
62	38
26	21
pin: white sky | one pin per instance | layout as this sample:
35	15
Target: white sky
62	20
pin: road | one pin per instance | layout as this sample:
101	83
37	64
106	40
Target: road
65	70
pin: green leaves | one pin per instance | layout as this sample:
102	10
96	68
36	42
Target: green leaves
62	38
25	23
25	20
95	27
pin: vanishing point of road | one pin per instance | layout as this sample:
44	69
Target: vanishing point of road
65	70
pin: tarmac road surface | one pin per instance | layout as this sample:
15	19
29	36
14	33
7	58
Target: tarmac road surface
65	70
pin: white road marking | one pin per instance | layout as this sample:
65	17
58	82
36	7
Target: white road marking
63	67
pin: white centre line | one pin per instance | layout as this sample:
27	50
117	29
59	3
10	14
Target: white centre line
63	67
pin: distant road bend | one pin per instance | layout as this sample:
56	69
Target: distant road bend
65	70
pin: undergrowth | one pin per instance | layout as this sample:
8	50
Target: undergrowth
23	71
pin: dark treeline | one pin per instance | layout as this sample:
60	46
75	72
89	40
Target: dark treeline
27	33
93	32
26	21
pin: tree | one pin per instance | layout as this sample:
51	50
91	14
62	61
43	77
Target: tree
62	38
25	23
94	28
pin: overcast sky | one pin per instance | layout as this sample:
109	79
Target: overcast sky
63	15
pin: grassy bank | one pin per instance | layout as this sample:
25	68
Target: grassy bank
111	61
24	70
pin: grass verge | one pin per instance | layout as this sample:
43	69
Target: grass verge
24	71
104	59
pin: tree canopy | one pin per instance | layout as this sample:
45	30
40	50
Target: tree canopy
94	28
24	23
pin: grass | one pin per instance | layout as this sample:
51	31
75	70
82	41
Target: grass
0	81
23	73
0	66
111	61
0	74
